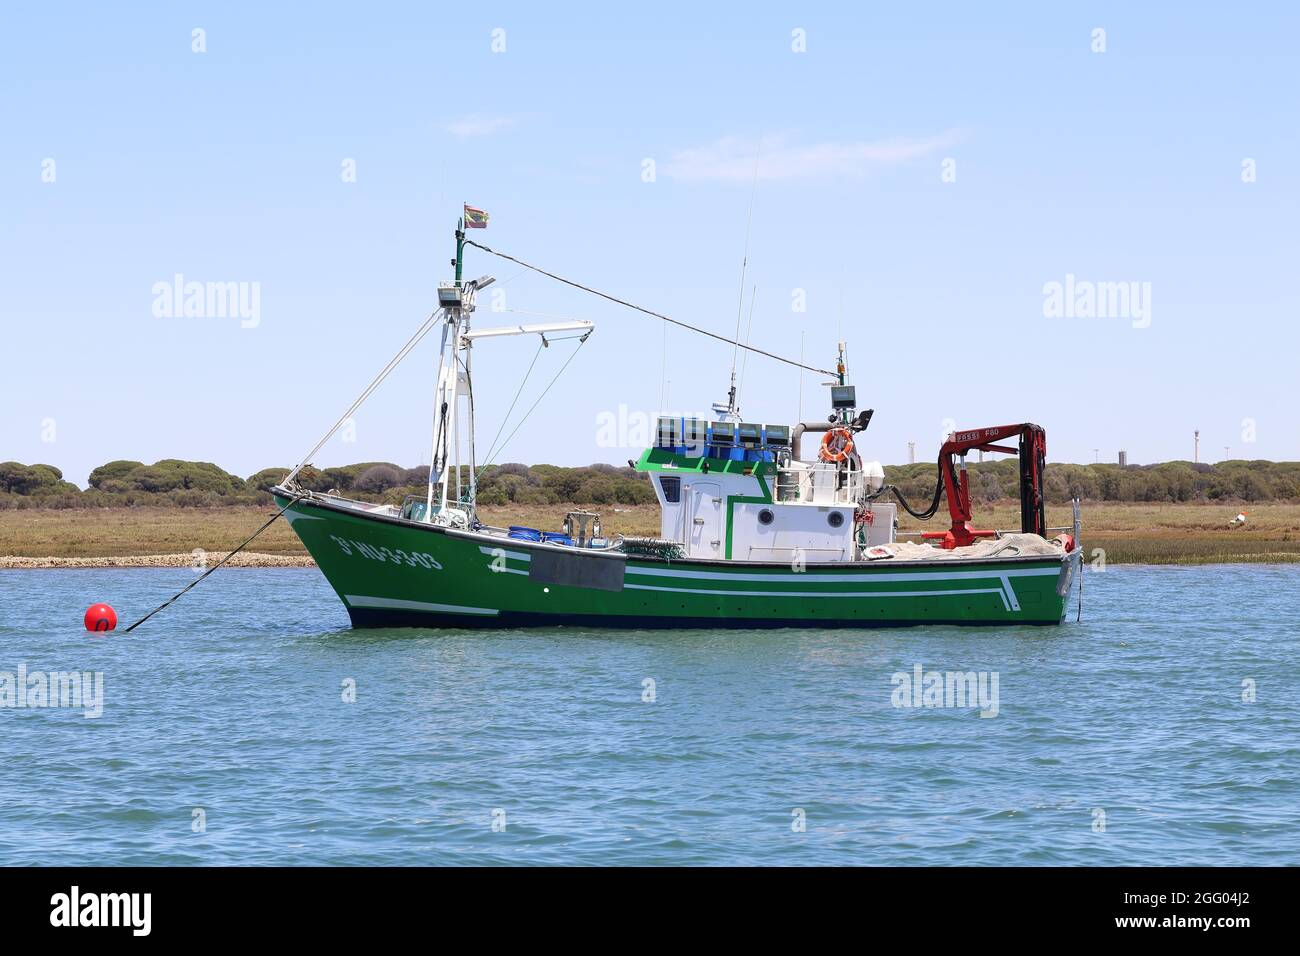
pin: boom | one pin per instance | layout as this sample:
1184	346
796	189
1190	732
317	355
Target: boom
1033	457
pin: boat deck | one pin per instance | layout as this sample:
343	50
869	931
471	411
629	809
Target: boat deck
1010	548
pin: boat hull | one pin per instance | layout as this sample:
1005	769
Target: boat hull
395	573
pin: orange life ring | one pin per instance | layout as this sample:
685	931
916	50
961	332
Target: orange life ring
837	444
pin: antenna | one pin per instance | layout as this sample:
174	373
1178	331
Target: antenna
732	411
749	331
663	373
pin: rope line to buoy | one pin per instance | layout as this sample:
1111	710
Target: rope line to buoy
295	499
658	315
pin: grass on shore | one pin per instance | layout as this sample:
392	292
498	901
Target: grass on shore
1145	533
1129	533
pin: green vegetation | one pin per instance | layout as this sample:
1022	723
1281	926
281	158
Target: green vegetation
1171	481
1128	533
18	481
197	484
1159	532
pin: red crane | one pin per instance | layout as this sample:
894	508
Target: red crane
1033	457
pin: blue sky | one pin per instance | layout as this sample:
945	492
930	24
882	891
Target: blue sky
226	166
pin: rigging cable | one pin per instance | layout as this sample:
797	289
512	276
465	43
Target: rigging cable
800	412
749	332
649	312
582	340
392	364
493	447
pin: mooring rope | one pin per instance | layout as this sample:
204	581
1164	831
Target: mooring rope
405	350
172	599
650	312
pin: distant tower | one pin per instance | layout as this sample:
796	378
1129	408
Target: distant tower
911	453
1196	454
1096	455
1123	459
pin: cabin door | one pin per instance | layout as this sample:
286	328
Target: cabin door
705	532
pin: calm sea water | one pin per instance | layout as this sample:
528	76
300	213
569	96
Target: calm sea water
225	714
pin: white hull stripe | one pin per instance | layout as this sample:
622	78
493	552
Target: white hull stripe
364	600
865	577
292	516
1007	604
1009	593
517	555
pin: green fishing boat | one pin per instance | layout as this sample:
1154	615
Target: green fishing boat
752	532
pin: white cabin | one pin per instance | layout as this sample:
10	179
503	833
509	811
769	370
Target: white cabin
752	500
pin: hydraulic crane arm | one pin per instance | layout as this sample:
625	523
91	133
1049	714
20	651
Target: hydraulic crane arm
1033	457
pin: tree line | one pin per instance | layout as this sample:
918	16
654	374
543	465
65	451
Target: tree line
198	484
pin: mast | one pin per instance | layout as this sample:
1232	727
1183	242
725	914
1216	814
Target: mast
457	303
460	249
456	299
467	345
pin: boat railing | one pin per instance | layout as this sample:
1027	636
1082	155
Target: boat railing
820	482
416	508
612	543
370	507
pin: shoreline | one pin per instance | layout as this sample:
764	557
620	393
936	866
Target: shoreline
150	537
261	560
245	559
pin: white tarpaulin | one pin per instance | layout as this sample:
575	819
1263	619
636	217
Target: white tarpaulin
1007	546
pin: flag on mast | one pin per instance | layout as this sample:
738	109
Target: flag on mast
475	218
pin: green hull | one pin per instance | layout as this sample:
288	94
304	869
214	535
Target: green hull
391	572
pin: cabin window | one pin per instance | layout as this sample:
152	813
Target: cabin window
672	488
777	435
765	516
669	432
694	433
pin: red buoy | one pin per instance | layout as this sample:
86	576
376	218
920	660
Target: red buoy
100	617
